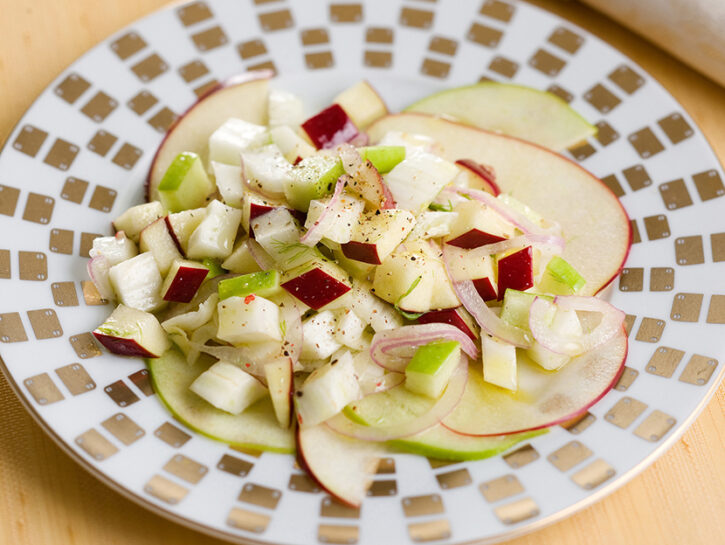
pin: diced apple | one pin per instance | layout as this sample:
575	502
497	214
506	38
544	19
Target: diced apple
430	224
431	367
185	184
98	268
137	282
317	284
254	205
157	239
280	382
229	183
183	281
383	158
566	324
215	269
416	181
182	224
377	234
312	178
267	170
279	234
357	269
235	136
318	334
241	261
516	306
478	225
228	387
362	103
465	265
499	363
294	148
264	284
516	271
331	127
214	237
115	248
284	109
249	319
457	317
133	220
476	176
132	332
560	278
350	330
371	310
341	220
327	390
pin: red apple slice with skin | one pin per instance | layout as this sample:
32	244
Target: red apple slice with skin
457	317
131	332
183	281
543	399
594	224
157	239
331	127
243	96
342	466
515	271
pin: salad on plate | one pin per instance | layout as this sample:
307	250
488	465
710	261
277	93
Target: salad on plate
358	282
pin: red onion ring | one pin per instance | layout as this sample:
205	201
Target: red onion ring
372	187
551	241
263	260
315	233
374	385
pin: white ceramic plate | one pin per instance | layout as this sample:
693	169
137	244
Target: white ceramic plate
79	157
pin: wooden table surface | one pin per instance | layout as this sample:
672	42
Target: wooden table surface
47	499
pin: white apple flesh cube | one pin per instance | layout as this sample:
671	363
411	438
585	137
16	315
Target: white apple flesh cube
284	109
431	224
377	234
182	224
267	169
327	390
318	336
417	180
157	239
241	261
350	330
136	218
250	319
320	284
371	310
362	103
293	147
132	332
478	225
341	219
499	363
279	234
228	388
115	248
229	183
137	282
235	136
183	281
98	269
185	184
214	237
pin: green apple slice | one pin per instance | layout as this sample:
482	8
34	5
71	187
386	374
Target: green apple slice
537	116
384	158
430	368
255	428
185	184
264	284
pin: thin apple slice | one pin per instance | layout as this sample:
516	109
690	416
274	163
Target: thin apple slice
243	97
280	381
593	222
255	428
342	466
515	110
543	399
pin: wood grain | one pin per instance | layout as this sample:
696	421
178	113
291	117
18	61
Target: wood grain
47	499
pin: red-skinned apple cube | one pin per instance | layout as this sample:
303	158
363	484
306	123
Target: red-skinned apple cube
317	285
516	271
330	127
132	332
450	316
183	281
473	239
485	289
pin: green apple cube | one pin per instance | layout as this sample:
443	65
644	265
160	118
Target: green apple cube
431	367
499	363
313	178
560	278
264	284
383	158
185	184
516	305
215	269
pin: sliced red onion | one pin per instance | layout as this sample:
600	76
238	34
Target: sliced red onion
550	242
370	184
315	233
374	385
442	408
608	327
484	316
263	260
393	348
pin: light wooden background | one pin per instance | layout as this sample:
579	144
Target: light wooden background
46	499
